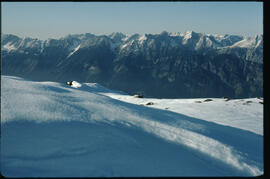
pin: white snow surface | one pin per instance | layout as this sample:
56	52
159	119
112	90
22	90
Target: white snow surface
75	84
188	35
142	38
246	114
9	47
50	129
74	50
245	43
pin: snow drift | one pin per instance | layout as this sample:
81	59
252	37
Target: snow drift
50	129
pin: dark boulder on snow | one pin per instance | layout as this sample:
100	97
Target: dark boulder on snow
69	83
247	102
138	96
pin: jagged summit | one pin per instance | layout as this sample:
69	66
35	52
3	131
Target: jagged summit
118	41
117	36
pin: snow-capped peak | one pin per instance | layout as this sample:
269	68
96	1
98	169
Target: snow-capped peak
118	41
142	38
188	34
117	36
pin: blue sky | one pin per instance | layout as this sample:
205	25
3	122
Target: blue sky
57	19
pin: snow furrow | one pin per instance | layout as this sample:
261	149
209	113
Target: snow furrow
195	141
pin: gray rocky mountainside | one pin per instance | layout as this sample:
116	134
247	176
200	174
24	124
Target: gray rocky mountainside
165	65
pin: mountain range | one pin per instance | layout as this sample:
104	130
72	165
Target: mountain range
165	65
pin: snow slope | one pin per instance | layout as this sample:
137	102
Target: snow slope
53	130
246	114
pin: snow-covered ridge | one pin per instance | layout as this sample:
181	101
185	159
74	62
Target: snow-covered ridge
73	51
9	47
47	103
121	41
249	42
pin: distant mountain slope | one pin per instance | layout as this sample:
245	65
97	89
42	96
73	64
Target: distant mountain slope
49	129
170	65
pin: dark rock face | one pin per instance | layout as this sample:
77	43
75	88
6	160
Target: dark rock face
162	65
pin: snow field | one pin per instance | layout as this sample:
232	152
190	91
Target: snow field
238	111
38	107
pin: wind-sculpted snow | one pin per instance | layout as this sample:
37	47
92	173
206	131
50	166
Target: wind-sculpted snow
51	129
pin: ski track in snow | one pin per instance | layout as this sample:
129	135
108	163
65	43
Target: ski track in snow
23	100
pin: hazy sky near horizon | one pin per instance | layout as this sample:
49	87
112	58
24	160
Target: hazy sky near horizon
57	19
